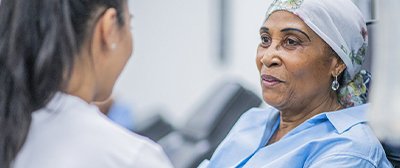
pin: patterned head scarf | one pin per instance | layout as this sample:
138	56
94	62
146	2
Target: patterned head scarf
341	25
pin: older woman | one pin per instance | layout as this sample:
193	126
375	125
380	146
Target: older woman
309	61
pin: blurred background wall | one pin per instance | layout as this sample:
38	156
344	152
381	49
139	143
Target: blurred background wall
176	59
385	96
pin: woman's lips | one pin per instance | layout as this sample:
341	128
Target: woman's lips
270	81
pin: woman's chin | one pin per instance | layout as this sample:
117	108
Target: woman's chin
273	101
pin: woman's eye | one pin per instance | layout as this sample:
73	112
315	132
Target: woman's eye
265	41
292	42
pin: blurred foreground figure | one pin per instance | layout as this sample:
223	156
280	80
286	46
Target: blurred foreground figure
56	58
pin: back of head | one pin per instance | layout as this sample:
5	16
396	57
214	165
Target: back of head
39	42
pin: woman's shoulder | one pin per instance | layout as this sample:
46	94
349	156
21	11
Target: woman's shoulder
357	144
111	139
358	140
351	137
79	133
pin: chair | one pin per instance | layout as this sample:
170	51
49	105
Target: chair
209	125
393	154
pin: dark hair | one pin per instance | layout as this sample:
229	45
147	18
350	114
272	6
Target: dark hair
39	41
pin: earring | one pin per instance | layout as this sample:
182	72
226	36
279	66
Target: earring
335	84
113	46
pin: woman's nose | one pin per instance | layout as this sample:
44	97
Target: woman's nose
271	56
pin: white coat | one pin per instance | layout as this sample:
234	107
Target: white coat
70	133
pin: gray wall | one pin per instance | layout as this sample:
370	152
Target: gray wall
385	96
175	62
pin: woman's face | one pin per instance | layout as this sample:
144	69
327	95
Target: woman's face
295	64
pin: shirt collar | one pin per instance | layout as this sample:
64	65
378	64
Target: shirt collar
63	101
344	119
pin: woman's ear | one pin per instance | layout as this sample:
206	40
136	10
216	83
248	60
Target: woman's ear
338	66
108	29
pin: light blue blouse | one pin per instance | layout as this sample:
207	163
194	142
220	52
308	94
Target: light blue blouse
339	139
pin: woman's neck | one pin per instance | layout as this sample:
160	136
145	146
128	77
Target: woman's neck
82	82
291	118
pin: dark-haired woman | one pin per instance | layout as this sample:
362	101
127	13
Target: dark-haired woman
56	58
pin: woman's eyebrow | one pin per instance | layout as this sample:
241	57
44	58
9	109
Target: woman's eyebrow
264	30
294	29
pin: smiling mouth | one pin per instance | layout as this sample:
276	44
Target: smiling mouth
270	81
